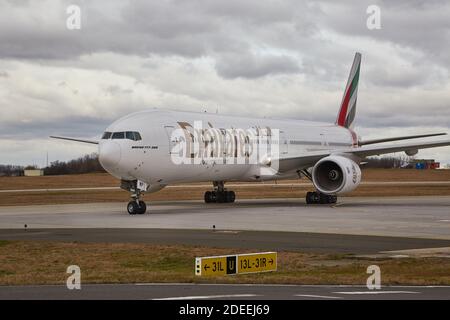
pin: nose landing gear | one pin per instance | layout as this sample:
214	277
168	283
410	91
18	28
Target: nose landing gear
219	194
135	206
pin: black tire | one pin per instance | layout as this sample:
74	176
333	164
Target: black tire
226	196
231	196
323	198
208	197
142	207
309	198
316	197
132	207
332	199
221	197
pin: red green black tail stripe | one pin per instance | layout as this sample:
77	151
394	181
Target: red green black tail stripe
347	111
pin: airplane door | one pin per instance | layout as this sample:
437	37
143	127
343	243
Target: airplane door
172	142
221	146
284	145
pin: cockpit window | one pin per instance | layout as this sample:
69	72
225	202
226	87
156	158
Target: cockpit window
118	135
137	136
132	135
107	135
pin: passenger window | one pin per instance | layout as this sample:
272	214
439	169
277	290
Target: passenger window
106	135
118	135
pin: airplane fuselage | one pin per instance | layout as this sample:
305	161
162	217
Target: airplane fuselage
150	158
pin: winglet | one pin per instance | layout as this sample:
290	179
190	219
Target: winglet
347	110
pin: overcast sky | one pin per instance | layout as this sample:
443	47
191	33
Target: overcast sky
254	58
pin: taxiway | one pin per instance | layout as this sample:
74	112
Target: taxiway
222	291
412	217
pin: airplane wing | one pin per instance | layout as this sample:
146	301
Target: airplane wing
75	139
366	151
309	159
366	142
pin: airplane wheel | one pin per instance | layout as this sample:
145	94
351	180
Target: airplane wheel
316	198
323	198
208	197
142	207
132	207
309	198
332	199
221	197
231	196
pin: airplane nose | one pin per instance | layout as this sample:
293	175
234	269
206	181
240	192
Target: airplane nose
109	154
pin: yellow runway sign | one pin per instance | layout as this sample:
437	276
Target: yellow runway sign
257	262
234	264
216	266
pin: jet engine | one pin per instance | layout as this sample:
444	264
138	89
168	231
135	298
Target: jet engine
411	152
335	175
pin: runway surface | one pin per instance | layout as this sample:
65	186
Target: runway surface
258	240
222	292
412	217
230	185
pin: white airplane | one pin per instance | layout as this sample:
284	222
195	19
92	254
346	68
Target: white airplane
151	149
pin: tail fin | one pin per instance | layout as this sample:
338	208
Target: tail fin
347	111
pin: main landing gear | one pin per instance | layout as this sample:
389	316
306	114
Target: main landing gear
320	198
136	205
219	194
317	197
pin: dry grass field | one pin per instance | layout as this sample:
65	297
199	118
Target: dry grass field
176	193
106	180
26	262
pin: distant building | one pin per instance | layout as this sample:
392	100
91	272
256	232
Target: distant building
425	164
33	172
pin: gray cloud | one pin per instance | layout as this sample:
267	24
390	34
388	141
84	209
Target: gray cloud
256	58
115	90
253	66
184	28
419	25
70	126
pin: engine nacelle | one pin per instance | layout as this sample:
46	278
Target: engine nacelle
411	152
336	175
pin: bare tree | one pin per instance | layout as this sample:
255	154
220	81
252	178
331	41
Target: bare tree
86	164
388	162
